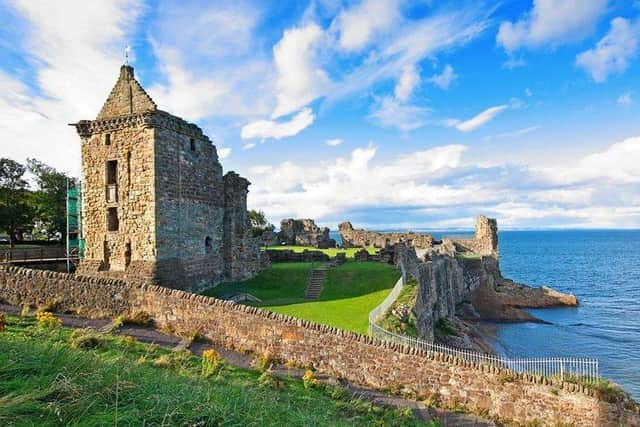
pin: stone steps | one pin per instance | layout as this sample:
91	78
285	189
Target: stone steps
315	283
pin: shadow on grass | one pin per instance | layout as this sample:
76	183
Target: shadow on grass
350	292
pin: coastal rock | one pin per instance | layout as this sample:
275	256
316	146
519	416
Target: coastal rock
462	288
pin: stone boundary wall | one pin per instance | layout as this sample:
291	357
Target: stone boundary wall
451	382
354	238
287	255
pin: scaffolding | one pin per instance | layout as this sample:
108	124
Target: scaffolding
75	239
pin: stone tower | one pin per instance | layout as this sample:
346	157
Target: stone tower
156	205
487	235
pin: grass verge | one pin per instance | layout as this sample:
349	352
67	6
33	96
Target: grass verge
45	380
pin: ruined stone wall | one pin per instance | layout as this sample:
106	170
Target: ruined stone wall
357	358
189	206
443	283
305	232
133	150
269	238
242	257
485	241
352	238
279	255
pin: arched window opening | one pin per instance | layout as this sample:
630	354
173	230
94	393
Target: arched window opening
207	245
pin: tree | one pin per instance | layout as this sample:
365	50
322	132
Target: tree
50	198
16	207
259	223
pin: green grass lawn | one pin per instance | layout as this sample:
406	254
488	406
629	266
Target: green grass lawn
350	292
282	283
331	251
47	381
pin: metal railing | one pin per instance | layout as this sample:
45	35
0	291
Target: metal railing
33	254
559	367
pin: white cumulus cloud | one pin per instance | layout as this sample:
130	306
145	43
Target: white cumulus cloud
300	79
75	50
264	129
551	22
618	164
334	142
613	52
302	190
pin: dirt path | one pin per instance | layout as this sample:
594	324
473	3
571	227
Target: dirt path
244	361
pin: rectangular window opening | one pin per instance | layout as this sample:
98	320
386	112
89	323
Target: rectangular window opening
112	219
192	144
112	172
129	167
127	254
107	139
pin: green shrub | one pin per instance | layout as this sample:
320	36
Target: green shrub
445	327
86	340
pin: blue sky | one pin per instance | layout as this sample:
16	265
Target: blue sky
388	113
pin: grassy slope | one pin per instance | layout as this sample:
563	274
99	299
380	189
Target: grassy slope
351	291
331	252
392	323
45	381
283	282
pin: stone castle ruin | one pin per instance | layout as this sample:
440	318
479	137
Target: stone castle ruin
156	204
305	232
485	241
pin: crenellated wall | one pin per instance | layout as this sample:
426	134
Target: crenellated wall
451	382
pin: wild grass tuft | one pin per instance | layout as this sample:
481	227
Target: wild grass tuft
46	381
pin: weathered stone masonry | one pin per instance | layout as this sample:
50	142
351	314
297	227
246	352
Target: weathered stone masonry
305	232
156	205
342	354
485	241
352	238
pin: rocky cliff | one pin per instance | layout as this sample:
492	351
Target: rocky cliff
459	288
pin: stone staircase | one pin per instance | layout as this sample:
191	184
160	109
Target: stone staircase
315	283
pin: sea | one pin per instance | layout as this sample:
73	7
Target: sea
602	268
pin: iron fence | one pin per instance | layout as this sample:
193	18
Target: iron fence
563	368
